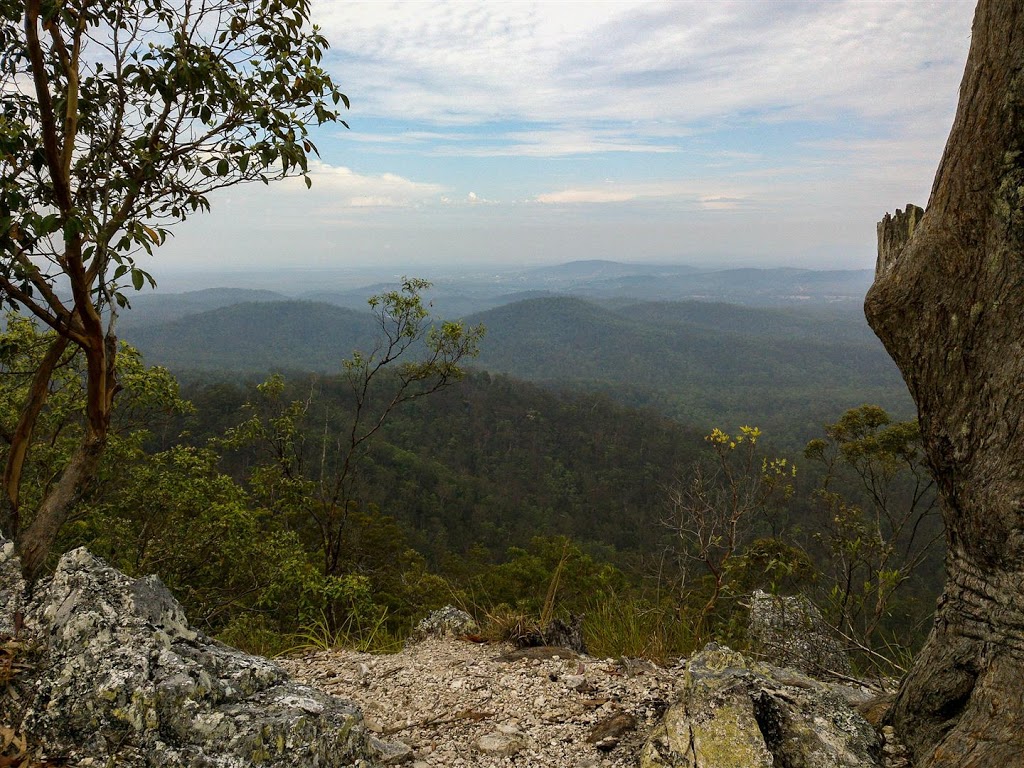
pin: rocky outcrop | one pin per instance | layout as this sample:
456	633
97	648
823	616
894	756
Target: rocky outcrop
732	713
788	631
126	681
12	587
121	678
894	232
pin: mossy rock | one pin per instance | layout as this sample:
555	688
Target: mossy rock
734	714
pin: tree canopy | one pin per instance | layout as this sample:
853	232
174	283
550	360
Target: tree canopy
118	120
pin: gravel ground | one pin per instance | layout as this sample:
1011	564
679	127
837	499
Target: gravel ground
452	703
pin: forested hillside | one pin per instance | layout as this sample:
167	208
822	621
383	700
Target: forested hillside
701	363
486	491
494	462
255	337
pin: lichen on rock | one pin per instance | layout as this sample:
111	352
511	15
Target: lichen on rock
445	622
126	679
733	713
12	586
789	631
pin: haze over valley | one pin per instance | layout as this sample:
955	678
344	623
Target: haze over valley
705	347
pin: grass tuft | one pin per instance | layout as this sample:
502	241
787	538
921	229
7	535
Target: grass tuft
355	634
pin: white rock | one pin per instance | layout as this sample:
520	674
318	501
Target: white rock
499	744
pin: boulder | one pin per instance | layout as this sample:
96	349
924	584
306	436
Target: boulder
732	713
566	633
124	680
445	622
789	631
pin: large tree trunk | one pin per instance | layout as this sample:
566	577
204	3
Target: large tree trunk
948	303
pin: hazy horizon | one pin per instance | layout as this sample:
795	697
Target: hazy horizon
297	279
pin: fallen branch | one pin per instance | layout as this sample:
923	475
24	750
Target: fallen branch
433	722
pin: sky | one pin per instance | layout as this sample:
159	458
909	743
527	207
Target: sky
715	133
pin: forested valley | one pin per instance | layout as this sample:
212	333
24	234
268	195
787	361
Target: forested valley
250	490
618	459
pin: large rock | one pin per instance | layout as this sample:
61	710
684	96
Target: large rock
12	586
733	714
789	631
445	622
126	681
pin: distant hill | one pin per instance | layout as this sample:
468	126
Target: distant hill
601	269
256	337
446	299
150	308
757	287
701	363
461	293
824	323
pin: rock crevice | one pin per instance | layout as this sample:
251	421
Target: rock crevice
124	679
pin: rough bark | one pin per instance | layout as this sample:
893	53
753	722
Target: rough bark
35	540
948	303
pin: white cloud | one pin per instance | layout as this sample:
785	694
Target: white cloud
338	187
442	62
695	193
745	124
586	196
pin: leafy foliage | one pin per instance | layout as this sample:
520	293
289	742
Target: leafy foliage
877	538
118	120
135	113
515	502
149	398
714	511
311	473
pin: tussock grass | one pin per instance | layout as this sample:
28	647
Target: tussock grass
634	628
365	635
253	634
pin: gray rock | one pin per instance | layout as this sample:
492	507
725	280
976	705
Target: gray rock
734	714
498	743
790	632
566	633
390	752
127	681
445	622
12	586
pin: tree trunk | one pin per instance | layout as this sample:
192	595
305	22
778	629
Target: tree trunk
948	303
35	540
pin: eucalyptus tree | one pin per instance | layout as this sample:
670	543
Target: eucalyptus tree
948	303
119	118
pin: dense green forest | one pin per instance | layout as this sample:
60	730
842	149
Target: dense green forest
702	363
314	468
252	499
